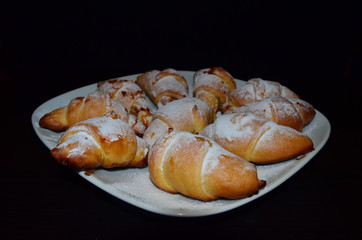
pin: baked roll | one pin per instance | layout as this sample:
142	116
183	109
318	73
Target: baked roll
164	86
213	85
255	90
129	94
291	112
197	167
104	142
96	104
256	139
186	114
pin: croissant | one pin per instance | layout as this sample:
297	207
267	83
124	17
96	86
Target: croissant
129	94
257	89
164	86
186	114
197	167
291	112
256	139
95	104
213	85
104	141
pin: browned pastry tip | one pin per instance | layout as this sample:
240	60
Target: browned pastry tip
55	120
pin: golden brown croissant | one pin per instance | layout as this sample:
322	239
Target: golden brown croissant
257	89
291	112
186	114
103	141
213	85
197	167
163	87
95	104
257	139
129	94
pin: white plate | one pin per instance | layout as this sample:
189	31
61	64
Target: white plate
135	187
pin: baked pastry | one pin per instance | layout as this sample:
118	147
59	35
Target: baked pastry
164	86
185	114
256	139
104	141
213	85
129	94
257	89
197	167
96	104
291	112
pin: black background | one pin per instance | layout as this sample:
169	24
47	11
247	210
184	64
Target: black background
50	48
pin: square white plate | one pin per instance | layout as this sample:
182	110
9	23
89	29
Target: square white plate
135	187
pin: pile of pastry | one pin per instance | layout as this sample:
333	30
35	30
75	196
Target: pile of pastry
204	146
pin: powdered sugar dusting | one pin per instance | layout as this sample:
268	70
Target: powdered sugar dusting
242	95
145	193
283	111
257	89
180	111
170	70
233	126
80	134
198	73
264	88
130	87
211	159
107	87
273	172
211	162
151	75
173	148
168	83
83	141
261	108
210	80
110	129
283	107
274	128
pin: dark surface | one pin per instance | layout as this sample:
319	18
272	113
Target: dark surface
47	50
